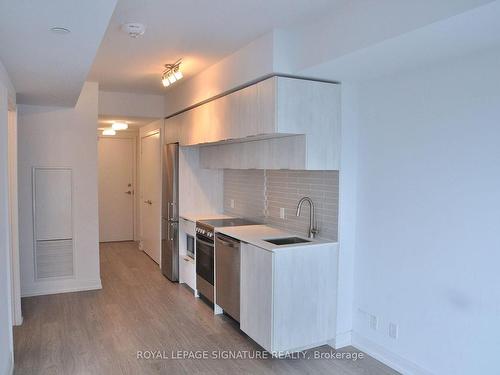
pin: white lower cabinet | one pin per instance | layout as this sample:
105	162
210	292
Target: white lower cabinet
288	298
256	299
187	265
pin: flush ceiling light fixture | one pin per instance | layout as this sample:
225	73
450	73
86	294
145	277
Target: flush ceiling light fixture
171	73
119	126
60	30
109	132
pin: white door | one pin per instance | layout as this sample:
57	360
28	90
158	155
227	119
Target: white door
151	195
116	190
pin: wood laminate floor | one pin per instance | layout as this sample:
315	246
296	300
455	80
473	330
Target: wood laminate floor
100	332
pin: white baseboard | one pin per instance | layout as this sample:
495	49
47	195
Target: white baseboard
61	286
387	357
342	339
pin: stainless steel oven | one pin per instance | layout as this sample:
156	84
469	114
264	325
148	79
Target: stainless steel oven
205	250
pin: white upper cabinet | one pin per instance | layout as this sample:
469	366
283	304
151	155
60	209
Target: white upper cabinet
172	130
273	108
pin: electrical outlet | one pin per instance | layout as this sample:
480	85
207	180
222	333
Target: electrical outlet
231	203
373	322
393	330
282	212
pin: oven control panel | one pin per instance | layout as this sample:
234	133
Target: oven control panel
204	232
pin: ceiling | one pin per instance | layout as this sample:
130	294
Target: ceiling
47	68
133	122
471	32
200	32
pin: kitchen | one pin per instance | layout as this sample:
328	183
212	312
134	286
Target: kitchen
251	186
275	208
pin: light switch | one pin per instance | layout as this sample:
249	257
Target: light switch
282	212
231	203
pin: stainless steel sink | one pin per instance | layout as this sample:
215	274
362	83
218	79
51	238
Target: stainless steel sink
286	240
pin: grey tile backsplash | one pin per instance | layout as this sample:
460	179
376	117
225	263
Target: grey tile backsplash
246	188
259	194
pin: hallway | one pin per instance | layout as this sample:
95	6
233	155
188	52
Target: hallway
100	332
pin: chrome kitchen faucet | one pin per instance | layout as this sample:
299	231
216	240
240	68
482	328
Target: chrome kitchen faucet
312	216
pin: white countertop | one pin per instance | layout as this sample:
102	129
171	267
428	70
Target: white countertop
195	217
256	234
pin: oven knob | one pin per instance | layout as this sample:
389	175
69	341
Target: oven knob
210	234
202	231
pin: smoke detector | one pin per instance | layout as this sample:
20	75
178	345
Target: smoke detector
134	29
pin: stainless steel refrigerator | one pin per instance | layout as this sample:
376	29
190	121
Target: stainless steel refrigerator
170	212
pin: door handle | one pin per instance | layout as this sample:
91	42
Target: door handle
211	244
129	192
148	202
226	243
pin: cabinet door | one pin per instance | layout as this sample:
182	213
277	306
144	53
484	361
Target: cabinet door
201	119
217	131
233	118
172	130
256	294
187	128
266	107
247	112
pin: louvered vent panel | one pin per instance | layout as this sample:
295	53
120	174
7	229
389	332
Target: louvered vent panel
54	258
53	219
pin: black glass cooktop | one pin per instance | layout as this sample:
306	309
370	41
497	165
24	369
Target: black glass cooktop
233	222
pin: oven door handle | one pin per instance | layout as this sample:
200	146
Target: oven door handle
211	244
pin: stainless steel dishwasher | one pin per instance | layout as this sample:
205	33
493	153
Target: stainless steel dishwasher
227	275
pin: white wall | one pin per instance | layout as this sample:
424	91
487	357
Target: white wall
428	209
126	104
6	346
311	48
347	214
200	190
359	24
51	136
247	64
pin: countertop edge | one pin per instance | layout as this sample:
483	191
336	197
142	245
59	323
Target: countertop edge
259	240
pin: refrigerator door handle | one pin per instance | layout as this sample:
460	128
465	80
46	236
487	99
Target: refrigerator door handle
173	225
174	211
